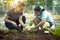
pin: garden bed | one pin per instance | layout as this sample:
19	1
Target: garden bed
17	35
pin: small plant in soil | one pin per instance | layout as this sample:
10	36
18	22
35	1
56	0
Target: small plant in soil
6	31
14	31
30	23
33	31
56	31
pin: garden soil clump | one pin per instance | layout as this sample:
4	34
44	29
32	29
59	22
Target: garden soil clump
37	35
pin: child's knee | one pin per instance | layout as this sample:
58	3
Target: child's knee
46	25
53	27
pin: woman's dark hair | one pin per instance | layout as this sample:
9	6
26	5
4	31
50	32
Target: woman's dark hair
38	8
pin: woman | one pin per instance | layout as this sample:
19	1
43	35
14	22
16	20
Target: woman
14	18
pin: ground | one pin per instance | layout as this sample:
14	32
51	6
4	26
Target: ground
37	35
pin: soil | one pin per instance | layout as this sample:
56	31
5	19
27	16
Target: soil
38	35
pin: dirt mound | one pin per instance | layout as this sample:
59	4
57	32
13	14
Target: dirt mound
38	35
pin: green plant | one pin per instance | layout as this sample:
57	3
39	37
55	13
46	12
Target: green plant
56	31
15	31
30	23
6	31
33	30
25	31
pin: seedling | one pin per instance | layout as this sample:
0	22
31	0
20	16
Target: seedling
33	30
14	31
6	31
56	31
30	23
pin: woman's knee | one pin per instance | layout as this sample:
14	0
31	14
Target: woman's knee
9	25
24	19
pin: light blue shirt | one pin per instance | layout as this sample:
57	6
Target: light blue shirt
46	15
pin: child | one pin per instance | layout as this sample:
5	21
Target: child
43	18
14	18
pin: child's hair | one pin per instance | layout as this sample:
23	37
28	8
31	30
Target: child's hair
39	9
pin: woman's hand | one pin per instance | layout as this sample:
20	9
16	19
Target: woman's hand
14	24
25	25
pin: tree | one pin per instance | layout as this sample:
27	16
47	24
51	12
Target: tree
35	2
49	4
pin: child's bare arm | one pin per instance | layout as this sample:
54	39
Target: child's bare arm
40	23
35	21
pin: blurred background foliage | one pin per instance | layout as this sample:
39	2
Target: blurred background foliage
51	5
